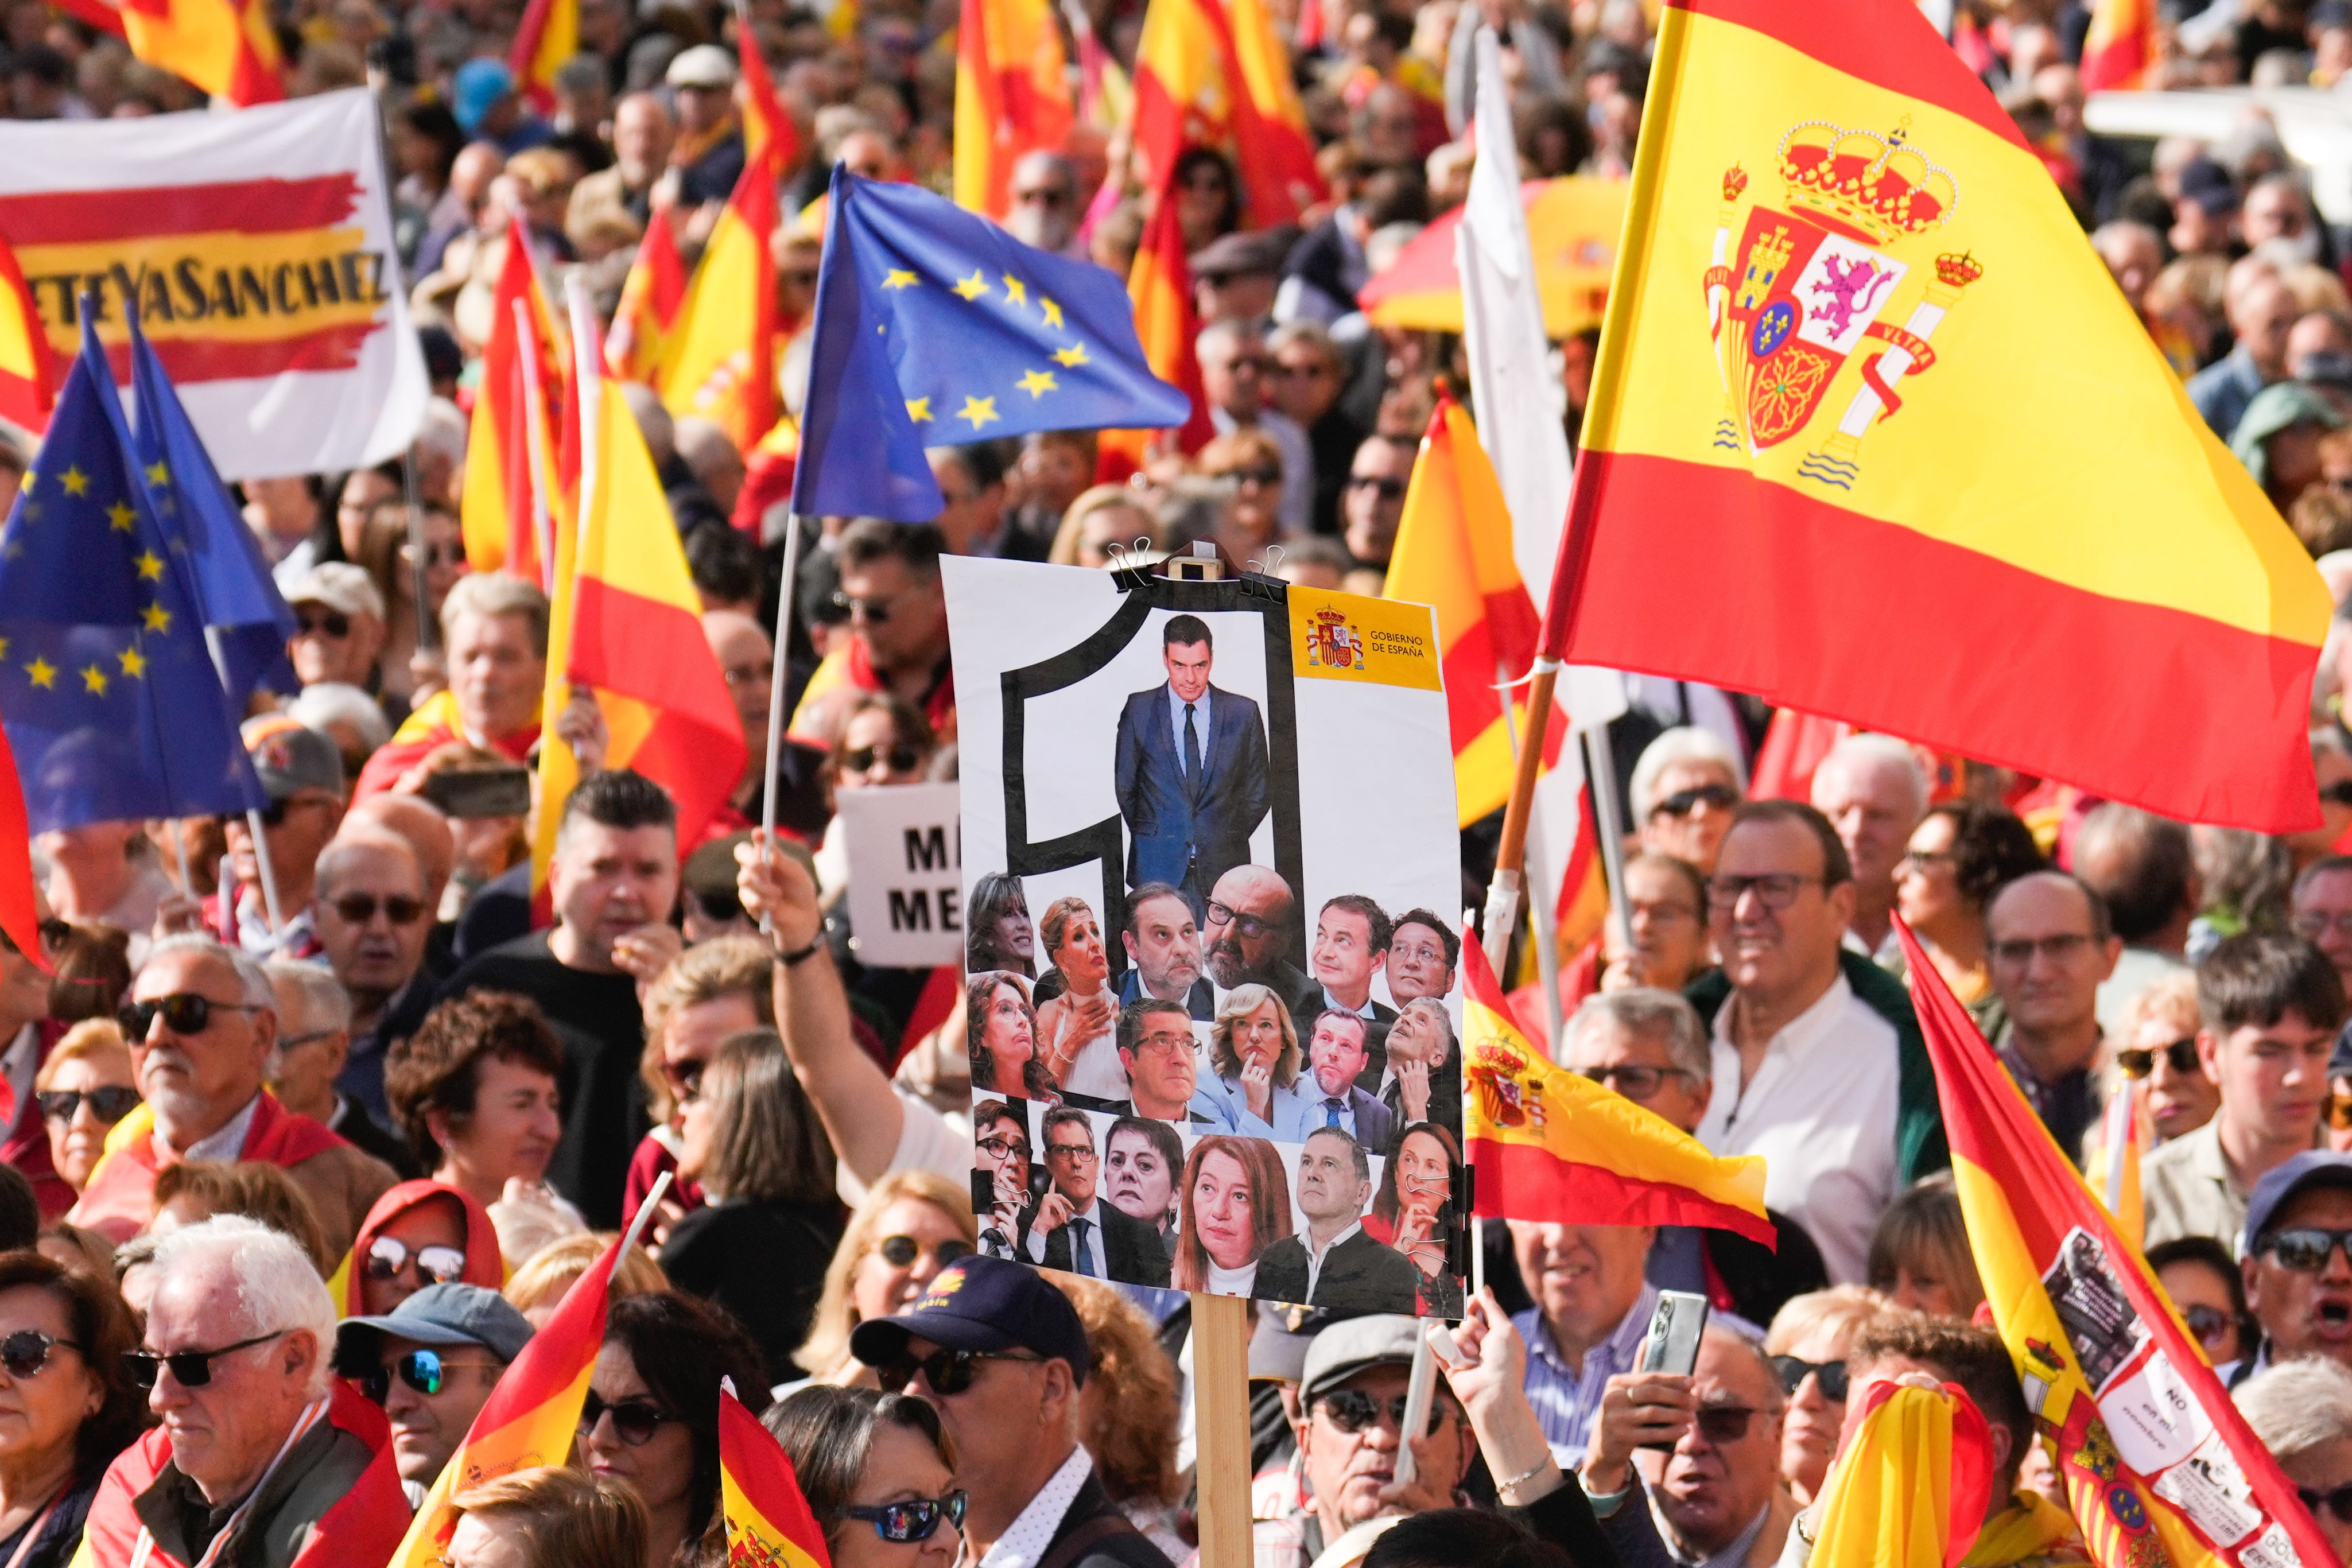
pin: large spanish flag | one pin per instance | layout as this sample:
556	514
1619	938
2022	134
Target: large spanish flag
548	36
1553	1146
508	489
1195	84
768	1520
1873	435
725	365
1159	287
769	136
645	323
2121	45
28	368
2157	1464
1011	97
227	48
1911	1484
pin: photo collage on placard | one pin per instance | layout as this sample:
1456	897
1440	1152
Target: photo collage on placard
1225	1085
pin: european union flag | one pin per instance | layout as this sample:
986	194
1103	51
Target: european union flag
113	702
935	327
235	595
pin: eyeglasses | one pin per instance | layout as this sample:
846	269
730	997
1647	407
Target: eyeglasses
1726	1422
1045	196
110	1105
387	1256
2336	1500
1919	862
1774	889
685	1078
900	1251
1353	1410
901	759
1390	489
876	611
948	1372
2056	949
1250	926
335	624
916	1519
183	1012
274	813
1636	1082
1076	1154
2313	924
635	1421
190	1369
358	908
26	1352
2208	1324
2304	1249
2180	1056
54	933
1164	1043
1006	1147
1792	1370
423	1370
1683	802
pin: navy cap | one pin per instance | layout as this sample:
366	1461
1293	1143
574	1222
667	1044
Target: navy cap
448	1315
2311	1169
982	1304
2209	184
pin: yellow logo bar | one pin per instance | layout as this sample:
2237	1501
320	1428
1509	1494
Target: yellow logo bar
1348	637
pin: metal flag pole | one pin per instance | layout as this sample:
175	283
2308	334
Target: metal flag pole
1546	920
252	818
776	672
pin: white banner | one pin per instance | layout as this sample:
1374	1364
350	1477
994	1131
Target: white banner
257	246
906	874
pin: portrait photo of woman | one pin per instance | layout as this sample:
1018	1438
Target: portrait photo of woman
1413	1211
996	927
1236	1204
1001	1031
1077	1031
1255	1056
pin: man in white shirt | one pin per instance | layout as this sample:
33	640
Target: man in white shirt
1806	1072
1335	1265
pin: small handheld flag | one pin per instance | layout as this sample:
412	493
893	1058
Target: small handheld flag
768	1521
1910	1490
935	327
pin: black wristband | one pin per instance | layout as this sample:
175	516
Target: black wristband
794	960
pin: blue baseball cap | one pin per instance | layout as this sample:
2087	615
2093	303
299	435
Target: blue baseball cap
477	85
2313	1168
981	1303
444	1315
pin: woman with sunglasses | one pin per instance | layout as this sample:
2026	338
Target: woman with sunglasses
1249	459
712	990
84	1088
1413	1211
1806	1343
2208	1287
67	1403
418	1234
758	1246
2157	1051
1685	788
1959	856
651	1418
911	1225
388	555
878	1473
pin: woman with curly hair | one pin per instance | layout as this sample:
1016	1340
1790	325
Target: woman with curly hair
1237	1203
1960	854
1001	1032
1255	1056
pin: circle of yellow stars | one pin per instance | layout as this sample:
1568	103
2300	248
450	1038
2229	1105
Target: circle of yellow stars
130	663
981	412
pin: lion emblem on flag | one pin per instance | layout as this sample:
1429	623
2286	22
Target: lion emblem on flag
1814	286
1505	1097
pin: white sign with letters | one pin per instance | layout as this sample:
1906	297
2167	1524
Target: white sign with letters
906	874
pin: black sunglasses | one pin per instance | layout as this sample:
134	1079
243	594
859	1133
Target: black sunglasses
1722	797
902	759
26	1352
2338	793
358	908
334	623
900	1252
192	1369
948	1372
1353	1410
1723	1423
2206	1322
635	1421
422	1370
1792	1371
2336	1500
184	1013
2180	1056
2304	1249
1390	489
916	1519
110	1105
435	1265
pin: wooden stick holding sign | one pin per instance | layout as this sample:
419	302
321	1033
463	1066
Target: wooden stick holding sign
1222	1428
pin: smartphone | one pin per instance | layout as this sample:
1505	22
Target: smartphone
1671	1342
490	792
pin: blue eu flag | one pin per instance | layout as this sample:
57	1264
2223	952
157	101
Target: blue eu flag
234	592
935	327
113	702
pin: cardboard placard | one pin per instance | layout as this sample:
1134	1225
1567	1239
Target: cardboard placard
906	874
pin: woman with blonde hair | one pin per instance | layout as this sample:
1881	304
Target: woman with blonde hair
1247	459
1807	1345
1126	1410
1102	519
911	1225
538	1286
84	1088
1077	1030
1237	1203
549	1517
1253	1060
712	990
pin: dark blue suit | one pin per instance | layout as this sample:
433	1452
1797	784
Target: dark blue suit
1183	831
1374	1119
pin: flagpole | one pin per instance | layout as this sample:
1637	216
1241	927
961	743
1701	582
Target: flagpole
776	674
1546	918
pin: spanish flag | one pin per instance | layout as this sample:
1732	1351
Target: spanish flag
725	365
645	321
2120	46
769	136
1911	1487
548	36
768	1521
1159	286
507	487
530	1418
1873	435
227	48
2157	1464
1011	97
1553	1146
28	368
1193	83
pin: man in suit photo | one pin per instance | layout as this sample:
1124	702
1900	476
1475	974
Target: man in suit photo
1191	770
1157	1053
1335	1054
1335	1265
1352	945
1073	1230
1163	951
1247	939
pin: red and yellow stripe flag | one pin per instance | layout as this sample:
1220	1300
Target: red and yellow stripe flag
505	483
768	1521
1011	97
725	365
1910	1488
2156	1463
1862	378
652	295
769	136
1553	1146
1196	83
548	36
1159	286
225	47
2121	45
530	1417
28	368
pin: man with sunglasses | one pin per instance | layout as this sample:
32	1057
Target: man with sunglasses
1372	505
302	772
1234	277
373	923
2048	948
1235	385
1044	191
898	630
1190	765
339	625
2298	1276
430	1363
1002	1357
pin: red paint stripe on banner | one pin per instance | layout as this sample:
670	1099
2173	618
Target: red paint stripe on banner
1809	606
242	206
1520	1181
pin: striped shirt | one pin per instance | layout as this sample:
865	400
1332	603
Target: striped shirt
1565	1400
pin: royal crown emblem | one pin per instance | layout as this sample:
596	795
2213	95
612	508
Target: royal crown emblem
1818	280
1505	1099
1334	643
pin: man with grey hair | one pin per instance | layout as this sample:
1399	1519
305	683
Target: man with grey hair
201	1022
373	919
1871	788
1335	1265
1044	213
2144	867
1649	1046
258	1443
1233	381
314	1041
2302	1412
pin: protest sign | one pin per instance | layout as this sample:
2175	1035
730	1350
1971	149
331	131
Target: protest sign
905	878
1225	802
258	248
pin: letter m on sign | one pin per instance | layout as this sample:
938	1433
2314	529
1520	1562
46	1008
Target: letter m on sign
910	911
927	849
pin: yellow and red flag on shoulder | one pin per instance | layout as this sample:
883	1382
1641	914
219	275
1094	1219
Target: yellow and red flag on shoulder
227	48
1862	377
1910	1487
769	1521
1011	97
644	323
28	368
724	368
2121	45
548	36
507	488
2157	1464
1553	1146
1159	286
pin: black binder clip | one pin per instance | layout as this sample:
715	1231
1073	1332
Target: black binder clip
1130	565
1259	581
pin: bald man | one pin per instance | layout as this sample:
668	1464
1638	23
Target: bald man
1247	939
